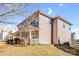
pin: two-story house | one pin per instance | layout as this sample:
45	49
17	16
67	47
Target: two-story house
40	28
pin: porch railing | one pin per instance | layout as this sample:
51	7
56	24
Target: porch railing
34	41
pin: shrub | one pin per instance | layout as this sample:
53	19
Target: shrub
77	52
67	48
66	43
9	41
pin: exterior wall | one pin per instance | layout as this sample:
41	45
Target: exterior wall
45	30
64	34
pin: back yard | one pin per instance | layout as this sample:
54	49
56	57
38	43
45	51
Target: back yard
31	50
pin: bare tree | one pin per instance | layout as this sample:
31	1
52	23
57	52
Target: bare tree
11	9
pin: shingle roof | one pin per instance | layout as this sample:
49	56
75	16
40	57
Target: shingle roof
62	18
54	17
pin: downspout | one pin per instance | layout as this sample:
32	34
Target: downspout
52	31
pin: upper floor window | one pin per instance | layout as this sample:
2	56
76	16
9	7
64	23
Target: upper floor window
26	23
34	23
20	27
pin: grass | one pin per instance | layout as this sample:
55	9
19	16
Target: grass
76	47
2	44
32	50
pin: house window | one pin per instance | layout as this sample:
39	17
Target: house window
20	27
35	23
26	23
25	34
35	34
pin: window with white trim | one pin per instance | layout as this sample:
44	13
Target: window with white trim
34	23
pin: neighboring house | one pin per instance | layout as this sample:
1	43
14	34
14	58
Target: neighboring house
76	42
1	35
9	35
73	38
41	28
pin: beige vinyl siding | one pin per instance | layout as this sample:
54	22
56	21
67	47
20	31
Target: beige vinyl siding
45	30
63	31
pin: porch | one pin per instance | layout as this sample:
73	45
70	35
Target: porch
30	35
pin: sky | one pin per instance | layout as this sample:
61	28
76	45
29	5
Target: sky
69	11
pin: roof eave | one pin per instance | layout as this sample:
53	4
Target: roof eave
62	20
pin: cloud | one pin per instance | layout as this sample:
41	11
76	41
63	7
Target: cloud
50	11
60	5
